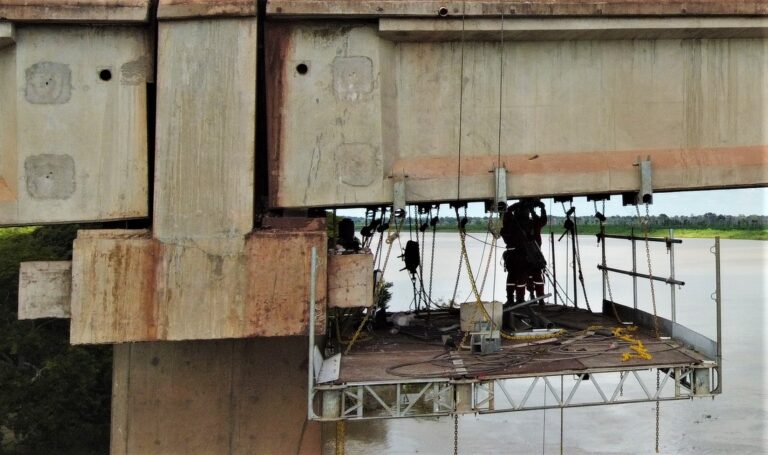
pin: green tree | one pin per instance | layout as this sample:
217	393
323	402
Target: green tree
54	398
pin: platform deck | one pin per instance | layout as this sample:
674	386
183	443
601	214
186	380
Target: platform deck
388	357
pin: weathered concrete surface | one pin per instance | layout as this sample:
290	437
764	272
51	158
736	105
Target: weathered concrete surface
566	29
128	286
575	115
206	121
75	10
350	280
178	9
44	289
7	34
538	8
113	284
73	126
212	397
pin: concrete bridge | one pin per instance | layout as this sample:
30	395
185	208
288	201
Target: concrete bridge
208	119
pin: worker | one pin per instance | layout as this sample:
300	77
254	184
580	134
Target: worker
536	265
347	239
515	230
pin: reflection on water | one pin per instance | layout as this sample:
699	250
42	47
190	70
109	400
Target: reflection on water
735	422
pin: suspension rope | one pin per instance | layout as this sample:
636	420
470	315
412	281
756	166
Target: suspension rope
380	282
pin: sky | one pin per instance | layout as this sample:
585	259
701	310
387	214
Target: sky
750	201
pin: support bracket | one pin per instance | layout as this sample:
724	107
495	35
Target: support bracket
645	195
500	189
398	198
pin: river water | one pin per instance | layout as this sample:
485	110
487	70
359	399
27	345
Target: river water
735	422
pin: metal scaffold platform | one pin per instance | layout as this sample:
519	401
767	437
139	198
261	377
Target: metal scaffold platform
621	355
394	377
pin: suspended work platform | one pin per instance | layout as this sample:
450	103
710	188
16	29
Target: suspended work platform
404	375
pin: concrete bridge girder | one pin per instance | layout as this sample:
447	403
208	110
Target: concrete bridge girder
574	118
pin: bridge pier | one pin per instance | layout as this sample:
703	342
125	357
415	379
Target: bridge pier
238	396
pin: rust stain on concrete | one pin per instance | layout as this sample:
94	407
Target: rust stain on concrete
584	162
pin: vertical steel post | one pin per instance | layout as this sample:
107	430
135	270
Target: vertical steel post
718	301
573	254
634	268
554	268
672	275
311	353
605	272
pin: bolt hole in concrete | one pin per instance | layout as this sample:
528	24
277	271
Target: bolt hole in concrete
442	12
302	68
105	75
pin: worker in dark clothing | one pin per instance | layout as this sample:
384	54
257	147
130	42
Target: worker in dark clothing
347	239
535	274
516	227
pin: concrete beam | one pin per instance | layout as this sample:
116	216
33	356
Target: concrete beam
75	10
182	9
45	289
528	8
565	29
573	116
73	135
206	129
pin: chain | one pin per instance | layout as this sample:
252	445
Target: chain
490	253
379	283
432	258
340	437
461	260
421	258
455	434
646	228
657	412
462	237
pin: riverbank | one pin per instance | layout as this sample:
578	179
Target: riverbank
703	233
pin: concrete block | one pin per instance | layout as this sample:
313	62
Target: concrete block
7	34
73	135
222	396
206	129
128	286
350	280
45	289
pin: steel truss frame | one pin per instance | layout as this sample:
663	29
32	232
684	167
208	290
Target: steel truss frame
443	397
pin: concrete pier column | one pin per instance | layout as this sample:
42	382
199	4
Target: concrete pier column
243	396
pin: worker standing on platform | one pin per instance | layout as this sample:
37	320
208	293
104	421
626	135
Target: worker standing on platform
536	267
515	230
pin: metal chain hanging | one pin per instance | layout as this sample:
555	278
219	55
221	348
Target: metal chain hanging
455	434
380	283
646	230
